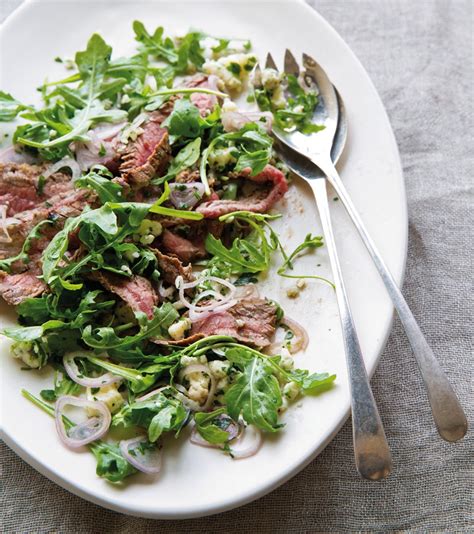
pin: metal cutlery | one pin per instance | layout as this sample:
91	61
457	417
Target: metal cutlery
316	151
371	451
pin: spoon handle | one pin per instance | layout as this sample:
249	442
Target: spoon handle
372	454
447	412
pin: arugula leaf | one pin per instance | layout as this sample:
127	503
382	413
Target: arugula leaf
105	338
9	107
185	120
255	161
256	393
63	385
103	218
93	62
31	333
208	427
100	181
242	257
184	159
111	465
155	44
190	52
138	382
5	265
158	414
247	255
309	243
311	383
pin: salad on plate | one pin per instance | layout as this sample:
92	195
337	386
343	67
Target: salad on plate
136	208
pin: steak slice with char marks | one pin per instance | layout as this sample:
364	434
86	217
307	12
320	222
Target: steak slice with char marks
185	249
20	188
147	156
250	321
15	288
137	291
171	267
57	208
259	202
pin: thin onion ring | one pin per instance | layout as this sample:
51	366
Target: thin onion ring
73	372
126	445
100	407
301	336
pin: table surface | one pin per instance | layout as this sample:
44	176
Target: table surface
420	57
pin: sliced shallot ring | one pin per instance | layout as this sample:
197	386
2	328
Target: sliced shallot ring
64	162
96	406
301	340
151	394
245	451
89	382
128	444
197	313
200	368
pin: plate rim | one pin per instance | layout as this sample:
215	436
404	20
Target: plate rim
97	498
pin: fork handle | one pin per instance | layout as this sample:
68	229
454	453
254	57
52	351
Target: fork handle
372	454
448	414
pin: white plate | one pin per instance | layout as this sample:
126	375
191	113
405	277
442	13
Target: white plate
198	481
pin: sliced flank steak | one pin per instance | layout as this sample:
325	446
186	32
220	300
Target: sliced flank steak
147	156
259	202
15	288
22	188
136	291
250	321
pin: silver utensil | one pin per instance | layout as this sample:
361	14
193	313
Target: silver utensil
447	412
372	454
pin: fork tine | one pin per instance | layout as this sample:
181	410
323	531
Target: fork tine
256	76
291	65
270	62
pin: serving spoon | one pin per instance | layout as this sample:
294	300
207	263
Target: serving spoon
371	450
318	153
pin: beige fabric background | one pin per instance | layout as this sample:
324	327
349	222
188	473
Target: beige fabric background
419	55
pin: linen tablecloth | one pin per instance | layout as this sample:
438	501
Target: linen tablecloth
420	56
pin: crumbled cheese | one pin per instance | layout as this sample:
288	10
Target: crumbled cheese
278	98
292	292
191	360
301	284
229	105
198	386
232	70
286	361
109	395
271	79
221	157
219	368
25	351
291	390
178	329
131	255
148	231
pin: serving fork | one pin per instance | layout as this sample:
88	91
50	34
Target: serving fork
371	450
315	155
